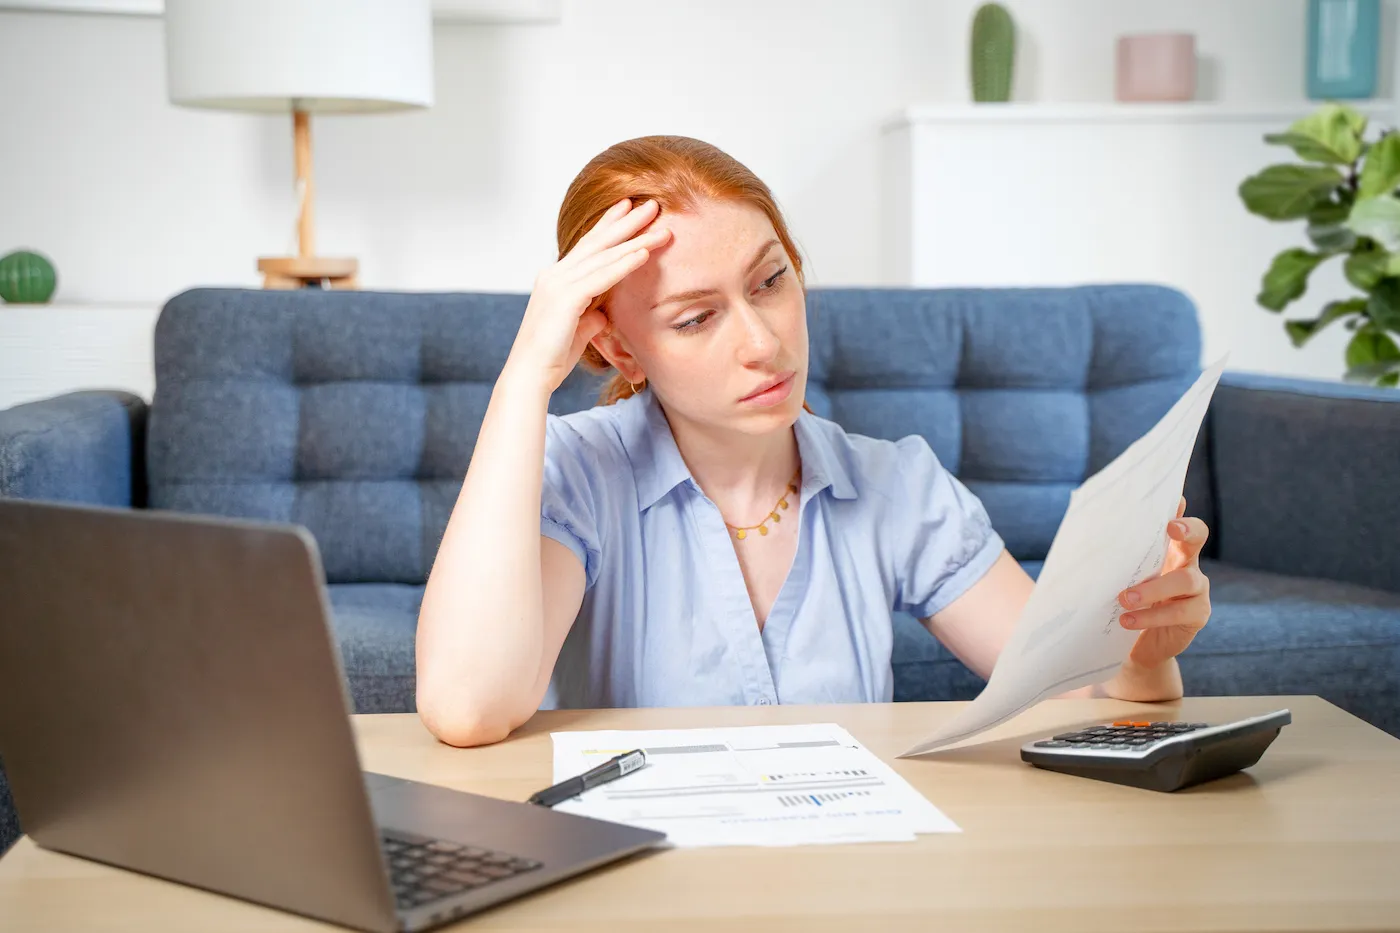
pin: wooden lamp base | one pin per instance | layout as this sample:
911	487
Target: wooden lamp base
308	271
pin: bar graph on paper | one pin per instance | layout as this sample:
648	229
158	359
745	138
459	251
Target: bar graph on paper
819	800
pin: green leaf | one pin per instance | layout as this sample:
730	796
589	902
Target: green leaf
1364	270
1300	332
1332	134
1328	230
1371	355
1381	173
1377	373
1379	219
1384	306
1287	192
1389	381
1287	278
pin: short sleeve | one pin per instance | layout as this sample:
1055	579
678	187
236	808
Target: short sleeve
569	495
943	541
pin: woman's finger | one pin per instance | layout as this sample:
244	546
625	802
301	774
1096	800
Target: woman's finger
600	280
610	216
612	230
1185	613
650	240
590	324
1191	533
1181	507
1178	584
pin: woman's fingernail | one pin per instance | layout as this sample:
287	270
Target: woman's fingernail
1180	527
1128	621
1132	597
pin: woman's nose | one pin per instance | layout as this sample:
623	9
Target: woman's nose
760	344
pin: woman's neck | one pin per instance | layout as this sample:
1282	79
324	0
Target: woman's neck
741	473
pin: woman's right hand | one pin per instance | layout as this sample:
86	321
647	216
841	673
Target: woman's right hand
558	323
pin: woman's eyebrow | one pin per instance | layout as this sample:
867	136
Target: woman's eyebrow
706	292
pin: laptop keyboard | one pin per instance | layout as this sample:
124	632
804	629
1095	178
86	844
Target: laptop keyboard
424	870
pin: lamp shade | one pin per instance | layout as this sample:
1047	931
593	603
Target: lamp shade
319	56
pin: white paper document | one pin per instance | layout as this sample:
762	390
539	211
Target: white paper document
1113	536
751	785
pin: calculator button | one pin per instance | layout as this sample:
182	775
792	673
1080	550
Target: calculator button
1070	737
1200	725
1052	744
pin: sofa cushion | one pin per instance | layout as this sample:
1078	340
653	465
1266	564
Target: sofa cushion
352	413
374	624
1023	393
355	413
1268	634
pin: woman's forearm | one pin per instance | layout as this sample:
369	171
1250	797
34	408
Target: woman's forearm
480	628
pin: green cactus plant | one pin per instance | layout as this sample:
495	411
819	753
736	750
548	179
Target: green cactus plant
27	277
993	56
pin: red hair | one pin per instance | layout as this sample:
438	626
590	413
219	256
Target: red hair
678	172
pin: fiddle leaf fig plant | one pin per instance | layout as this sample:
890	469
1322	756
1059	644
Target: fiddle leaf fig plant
1345	193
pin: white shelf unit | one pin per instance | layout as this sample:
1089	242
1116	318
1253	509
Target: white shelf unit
1027	194
47	350
444	11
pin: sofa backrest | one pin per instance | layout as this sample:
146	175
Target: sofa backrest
355	413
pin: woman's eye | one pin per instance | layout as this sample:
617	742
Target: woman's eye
694	322
772	281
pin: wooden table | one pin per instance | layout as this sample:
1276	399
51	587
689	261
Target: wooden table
1308	839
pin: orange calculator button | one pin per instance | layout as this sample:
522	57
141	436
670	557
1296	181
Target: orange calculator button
1121	723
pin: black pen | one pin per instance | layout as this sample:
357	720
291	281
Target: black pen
610	770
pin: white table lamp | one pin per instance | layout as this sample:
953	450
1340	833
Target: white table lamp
302	57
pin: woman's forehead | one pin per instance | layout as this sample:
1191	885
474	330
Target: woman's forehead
710	247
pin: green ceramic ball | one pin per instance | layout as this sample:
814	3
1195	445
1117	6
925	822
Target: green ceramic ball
27	278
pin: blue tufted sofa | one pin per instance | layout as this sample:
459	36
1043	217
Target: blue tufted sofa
355	414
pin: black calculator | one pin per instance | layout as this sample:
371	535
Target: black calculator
1162	756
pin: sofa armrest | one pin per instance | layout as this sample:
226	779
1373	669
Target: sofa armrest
79	447
1305	476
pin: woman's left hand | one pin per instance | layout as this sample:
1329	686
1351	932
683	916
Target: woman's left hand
1172	607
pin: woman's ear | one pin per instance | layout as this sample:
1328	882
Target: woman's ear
613	348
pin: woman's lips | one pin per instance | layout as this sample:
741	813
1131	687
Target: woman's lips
773	393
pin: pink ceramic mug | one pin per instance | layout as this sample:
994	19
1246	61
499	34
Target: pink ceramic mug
1160	66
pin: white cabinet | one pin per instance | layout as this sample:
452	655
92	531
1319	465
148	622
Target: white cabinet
50	349
1046	194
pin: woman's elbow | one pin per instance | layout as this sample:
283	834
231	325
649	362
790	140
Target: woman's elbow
460	722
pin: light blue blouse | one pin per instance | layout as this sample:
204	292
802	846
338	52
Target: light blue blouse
666	619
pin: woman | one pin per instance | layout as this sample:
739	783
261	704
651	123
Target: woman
702	538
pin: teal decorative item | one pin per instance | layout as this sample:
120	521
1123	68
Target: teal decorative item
993	53
27	278
1343	45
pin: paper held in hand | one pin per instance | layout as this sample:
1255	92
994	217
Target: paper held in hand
1113	536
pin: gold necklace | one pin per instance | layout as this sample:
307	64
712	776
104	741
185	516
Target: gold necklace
743	532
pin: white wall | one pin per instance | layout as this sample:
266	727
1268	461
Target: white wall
135	199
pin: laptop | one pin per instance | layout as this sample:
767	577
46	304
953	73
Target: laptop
172	702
